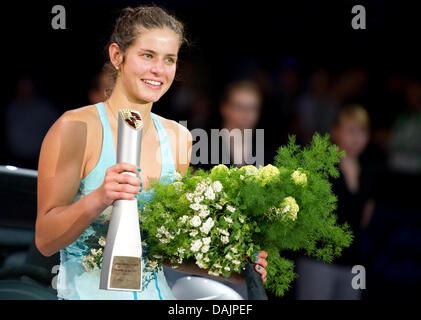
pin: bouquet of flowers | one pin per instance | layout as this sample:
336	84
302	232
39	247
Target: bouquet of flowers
218	219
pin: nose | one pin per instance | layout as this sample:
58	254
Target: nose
157	67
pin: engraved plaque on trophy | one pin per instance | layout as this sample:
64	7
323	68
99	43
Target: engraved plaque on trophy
122	258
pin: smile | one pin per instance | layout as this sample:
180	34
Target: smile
152	83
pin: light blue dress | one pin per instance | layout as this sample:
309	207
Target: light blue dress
73	281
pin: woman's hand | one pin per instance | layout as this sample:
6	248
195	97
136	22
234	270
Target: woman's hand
261	264
119	186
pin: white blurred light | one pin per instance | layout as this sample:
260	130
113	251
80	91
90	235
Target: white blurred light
12	168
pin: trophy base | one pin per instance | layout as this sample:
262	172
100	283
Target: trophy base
126	274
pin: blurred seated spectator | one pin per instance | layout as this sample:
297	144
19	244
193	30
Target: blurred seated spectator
27	119
404	146
354	191
235	142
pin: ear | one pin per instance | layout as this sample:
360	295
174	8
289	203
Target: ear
116	56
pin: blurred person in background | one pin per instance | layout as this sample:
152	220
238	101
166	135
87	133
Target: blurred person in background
27	119
315	111
99	84
404	147
354	191
240	109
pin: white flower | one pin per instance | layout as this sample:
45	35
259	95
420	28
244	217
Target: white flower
235	262
206	241
193	233
195	221
162	229
206	259
177	176
228	256
213	273
231	209
217	186
227	269
290	208
217	266
224	232
229	220
205	248
299	177
195	245
224	239
180	250
164	240
178	186
201	264
234	250
189	197
183	219
286	209
195	206
158	235
217	206
204	213
142	218
205	228
198	199
200	188
151	265
241	177
241	219
101	241
209	194
199	256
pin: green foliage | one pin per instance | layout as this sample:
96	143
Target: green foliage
219	218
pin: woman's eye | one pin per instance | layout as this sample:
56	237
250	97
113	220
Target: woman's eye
170	60
147	55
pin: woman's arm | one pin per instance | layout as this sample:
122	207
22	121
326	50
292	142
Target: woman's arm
61	162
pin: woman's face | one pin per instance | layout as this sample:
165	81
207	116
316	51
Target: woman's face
150	65
351	137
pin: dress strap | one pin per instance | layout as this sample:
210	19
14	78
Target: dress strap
168	166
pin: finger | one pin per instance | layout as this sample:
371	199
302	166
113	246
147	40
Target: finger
126	188
262	271
125	167
122	195
262	254
261	262
127	179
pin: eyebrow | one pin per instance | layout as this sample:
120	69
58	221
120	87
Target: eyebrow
151	51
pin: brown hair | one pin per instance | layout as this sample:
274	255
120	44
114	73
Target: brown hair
130	23
354	112
241	85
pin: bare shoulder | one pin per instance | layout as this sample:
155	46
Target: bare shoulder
85	113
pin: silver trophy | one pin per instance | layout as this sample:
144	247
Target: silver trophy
122	258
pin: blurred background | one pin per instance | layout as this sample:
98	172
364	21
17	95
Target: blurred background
287	69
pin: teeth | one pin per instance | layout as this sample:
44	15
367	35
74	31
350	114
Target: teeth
155	83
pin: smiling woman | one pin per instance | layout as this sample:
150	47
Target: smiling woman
78	178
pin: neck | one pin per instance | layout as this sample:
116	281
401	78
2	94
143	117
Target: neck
119	100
